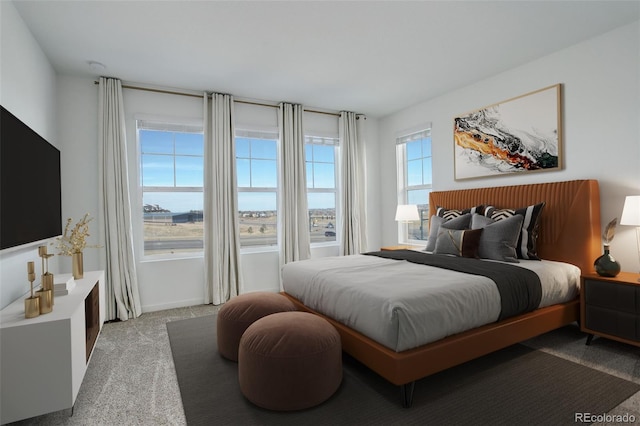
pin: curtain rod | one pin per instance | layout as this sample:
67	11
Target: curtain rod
173	92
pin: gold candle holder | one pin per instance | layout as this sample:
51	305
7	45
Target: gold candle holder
47	277
46	300
31	304
31	307
47	284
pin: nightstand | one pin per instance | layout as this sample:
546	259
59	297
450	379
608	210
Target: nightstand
610	307
400	247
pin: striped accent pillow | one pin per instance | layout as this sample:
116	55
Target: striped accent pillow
526	247
448	214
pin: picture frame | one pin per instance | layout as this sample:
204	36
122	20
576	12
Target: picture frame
519	135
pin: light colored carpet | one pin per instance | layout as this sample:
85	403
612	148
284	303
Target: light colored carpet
131	377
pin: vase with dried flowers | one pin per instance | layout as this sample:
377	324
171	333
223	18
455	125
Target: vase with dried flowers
606	265
73	242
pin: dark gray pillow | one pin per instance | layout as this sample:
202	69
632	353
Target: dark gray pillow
499	238
461	243
526	245
460	222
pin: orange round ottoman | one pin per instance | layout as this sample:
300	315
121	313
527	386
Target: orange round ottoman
240	312
289	361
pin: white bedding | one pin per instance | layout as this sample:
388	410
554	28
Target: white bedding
403	305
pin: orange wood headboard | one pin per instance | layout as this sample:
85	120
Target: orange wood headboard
570	222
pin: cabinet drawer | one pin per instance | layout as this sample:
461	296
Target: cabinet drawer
620	297
614	322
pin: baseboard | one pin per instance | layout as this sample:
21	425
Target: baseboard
172	305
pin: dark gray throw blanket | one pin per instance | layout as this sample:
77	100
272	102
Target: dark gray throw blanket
520	289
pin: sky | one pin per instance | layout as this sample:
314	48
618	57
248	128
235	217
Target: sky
256	168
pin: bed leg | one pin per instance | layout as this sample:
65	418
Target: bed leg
406	391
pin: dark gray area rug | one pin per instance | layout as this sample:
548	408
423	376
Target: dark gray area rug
513	386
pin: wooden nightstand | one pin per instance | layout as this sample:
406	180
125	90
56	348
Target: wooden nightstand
400	247
610	307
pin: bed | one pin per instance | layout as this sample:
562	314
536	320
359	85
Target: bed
569	232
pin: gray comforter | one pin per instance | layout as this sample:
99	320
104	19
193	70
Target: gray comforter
403	305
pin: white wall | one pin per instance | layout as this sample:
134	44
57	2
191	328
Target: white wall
27	89
77	108
601	112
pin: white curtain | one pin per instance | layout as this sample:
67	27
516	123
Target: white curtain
353	184
223	278
122	296
293	216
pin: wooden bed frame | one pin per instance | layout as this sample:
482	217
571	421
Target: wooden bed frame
569	232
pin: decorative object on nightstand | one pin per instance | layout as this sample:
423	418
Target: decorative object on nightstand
73	242
406	213
606	265
32	303
609	307
631	216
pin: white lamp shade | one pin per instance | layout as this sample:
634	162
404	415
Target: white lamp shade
407	213
631	211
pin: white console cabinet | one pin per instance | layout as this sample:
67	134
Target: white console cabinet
43	359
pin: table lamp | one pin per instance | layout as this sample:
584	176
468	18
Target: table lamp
406	213
631	216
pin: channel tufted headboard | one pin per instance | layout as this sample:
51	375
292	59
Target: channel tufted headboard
569	228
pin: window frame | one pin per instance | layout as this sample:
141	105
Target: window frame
335	142
267	134
174	125
404	188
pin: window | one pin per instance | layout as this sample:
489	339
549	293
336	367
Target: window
320	159
414	179
257	174
171	178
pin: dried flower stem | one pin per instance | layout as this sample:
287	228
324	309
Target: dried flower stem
75	240
610	231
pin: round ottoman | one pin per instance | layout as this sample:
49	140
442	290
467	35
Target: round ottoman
289	361
240	312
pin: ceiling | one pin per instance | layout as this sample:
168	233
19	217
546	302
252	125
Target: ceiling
372	57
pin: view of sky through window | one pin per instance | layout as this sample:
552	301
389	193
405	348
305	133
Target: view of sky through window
172	159
171	174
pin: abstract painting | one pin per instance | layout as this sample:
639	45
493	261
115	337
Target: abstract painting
519	135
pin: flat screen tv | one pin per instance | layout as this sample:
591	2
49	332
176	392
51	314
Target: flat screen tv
30	203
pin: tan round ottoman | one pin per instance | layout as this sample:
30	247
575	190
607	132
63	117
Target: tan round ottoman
289	361
240	312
